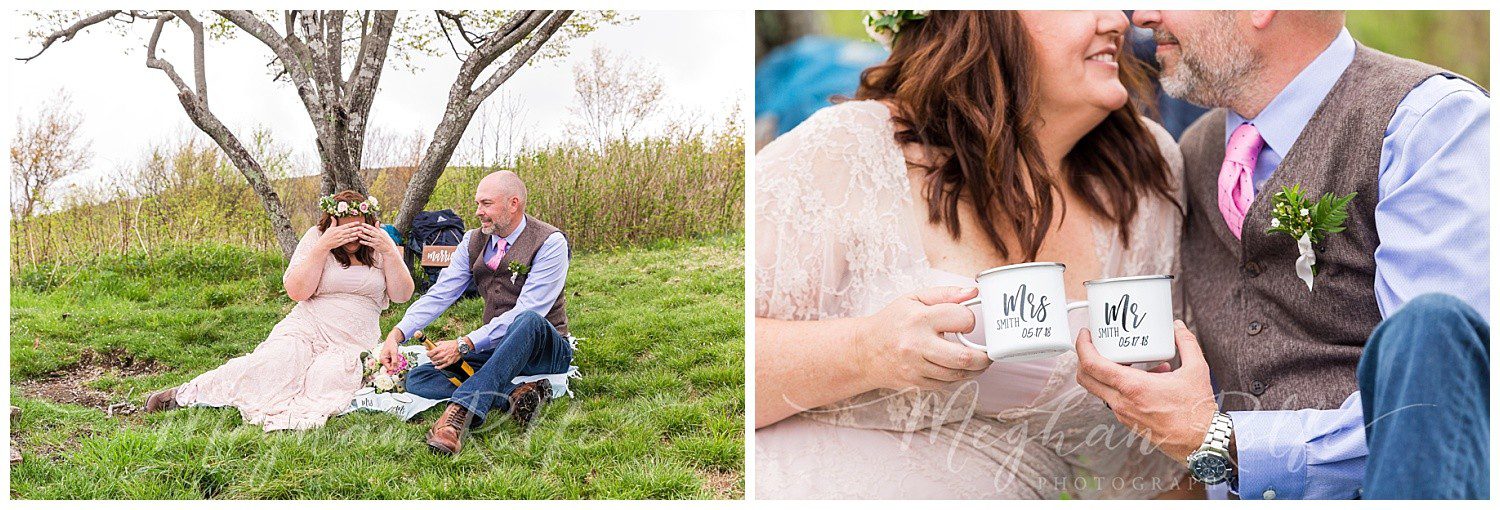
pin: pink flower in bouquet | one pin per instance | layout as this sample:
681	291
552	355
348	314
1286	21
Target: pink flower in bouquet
400	365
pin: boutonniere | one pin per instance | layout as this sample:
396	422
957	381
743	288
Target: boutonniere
518	269
1308	222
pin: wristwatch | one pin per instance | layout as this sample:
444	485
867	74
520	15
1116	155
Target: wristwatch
463	346
1210	464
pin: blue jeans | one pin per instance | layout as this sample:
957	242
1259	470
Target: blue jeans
1424	380
531	346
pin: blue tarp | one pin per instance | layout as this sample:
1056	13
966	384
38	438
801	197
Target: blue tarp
799	78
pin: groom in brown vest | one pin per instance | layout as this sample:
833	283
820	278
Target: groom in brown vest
1370	376
520	265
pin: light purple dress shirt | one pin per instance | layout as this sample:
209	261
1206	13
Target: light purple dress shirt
1432	217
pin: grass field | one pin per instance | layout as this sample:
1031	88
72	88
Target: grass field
659	412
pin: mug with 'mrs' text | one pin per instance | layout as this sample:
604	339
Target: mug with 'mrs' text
1025	312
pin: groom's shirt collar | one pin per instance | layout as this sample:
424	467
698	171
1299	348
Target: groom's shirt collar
1281	122
510	240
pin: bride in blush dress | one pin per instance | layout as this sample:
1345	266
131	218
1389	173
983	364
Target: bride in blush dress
344	272
987	138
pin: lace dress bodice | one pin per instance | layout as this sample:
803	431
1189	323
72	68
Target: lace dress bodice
837	235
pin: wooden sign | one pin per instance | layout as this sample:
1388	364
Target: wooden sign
437	256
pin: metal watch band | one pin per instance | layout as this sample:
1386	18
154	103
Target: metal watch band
1218	433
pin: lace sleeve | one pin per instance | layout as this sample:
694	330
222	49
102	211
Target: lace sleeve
822	192
304	248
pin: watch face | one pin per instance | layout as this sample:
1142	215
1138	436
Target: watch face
1208	468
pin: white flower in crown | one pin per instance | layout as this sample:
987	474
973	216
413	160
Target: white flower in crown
374	204
343	207
882	26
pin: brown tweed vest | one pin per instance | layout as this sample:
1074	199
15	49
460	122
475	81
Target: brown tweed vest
1270	342
495	285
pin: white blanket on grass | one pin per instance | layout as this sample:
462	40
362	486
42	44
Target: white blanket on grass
407	405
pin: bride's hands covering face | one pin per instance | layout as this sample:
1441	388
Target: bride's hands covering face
1077	57
338	235
903	344
376	238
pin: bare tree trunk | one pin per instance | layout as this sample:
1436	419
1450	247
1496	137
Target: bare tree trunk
463	100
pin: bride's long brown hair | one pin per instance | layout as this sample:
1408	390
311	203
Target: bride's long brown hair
963	84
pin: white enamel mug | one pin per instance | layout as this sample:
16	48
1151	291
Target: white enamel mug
1130	318
1025	312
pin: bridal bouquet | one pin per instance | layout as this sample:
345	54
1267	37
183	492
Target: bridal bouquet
386	380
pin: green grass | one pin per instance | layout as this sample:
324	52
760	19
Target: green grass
658	414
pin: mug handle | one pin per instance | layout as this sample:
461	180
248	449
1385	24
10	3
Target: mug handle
963	337
1074	306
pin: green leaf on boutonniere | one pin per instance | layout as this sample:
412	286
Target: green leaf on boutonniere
1308	222
1294	214
519	268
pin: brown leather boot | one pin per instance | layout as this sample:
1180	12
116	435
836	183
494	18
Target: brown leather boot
526	401
164	400
447	435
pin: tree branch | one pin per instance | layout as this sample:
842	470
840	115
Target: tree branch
200	73
523	23
528	50
68	33
197	110
462	102
364	79
291	62
165	67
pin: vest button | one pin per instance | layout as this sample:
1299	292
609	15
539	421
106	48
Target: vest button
1252	269
1255	328
1268	494
1257	388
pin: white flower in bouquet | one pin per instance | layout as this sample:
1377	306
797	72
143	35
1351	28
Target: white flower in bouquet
384	382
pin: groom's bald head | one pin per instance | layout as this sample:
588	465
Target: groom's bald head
502	185
1236	59
499	202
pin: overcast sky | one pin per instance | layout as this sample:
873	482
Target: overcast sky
703	56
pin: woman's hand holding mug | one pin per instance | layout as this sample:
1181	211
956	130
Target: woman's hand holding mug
903	345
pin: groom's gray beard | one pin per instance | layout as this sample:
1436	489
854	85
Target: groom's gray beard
1207	79
490	229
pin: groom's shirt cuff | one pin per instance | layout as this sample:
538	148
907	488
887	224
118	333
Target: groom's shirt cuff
1301	454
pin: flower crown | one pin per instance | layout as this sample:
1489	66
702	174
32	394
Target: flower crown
884	25
341	208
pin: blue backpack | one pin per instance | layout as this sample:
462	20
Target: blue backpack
434	228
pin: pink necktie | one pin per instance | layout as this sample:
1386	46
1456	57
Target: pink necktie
1235	189
494	261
